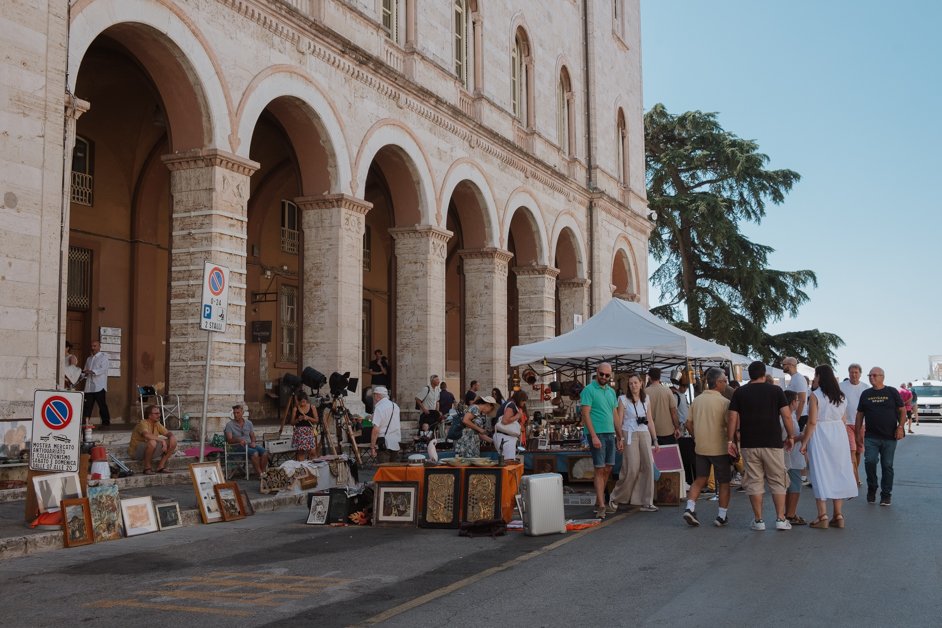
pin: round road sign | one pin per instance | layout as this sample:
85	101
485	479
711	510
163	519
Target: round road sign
217	281
56	413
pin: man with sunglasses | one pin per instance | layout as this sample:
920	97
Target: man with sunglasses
599	403
883	411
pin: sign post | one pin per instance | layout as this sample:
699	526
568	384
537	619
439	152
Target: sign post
213	312
57	422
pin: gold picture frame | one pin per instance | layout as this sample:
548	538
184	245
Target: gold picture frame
77	526
228	497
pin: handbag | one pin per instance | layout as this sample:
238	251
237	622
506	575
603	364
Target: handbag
381	441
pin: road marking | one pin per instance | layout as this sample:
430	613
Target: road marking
230	597
267	586
460	584
170	607
274	576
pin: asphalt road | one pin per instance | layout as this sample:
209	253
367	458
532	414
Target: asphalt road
639	568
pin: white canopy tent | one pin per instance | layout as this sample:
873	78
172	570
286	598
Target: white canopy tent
622	332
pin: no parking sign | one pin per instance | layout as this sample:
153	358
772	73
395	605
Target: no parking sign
215	299
57	423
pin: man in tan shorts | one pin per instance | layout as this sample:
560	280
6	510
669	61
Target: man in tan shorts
754	412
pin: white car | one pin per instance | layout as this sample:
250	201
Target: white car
928	399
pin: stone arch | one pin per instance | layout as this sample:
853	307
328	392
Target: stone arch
625	280
398	153
465	179
297	101
167	42
568	248
534	240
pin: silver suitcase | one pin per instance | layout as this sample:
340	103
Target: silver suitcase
542	497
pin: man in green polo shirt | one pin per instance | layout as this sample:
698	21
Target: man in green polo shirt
599	402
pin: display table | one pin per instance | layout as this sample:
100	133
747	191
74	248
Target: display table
561	460
510	475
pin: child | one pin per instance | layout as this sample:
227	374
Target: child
795	462
422	438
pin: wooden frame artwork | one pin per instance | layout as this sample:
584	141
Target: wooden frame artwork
580	468
480	495
318	511
52	488
205	476
230	504
77	526
544	464
667	489
442	498
395	504
105	505
139	515
168	515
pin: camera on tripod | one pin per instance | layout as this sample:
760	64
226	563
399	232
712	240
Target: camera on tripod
341	384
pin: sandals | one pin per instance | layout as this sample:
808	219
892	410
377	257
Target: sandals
820	523
149	472
164	470
797	520
838	521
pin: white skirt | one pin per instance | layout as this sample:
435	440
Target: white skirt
831	471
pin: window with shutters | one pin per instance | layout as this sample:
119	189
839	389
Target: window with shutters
83	176
461	41
564	113
288	323
621	142
290	234
79	296
390	19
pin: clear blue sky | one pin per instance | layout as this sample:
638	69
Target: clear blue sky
849	94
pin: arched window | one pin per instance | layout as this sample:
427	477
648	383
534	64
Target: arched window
390	19
621	143
521	77
564	113
83	172
461	40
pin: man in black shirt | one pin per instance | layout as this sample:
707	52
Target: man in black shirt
755	411
379	369
446	400
472	394
884	412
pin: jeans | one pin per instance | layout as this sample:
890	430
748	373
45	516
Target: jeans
884	450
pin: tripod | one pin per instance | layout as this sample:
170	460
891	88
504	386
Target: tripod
339	416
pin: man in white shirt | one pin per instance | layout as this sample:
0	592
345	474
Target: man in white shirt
799	384
96	384
426	401
386	426
852	388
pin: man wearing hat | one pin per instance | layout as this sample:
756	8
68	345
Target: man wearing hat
386	433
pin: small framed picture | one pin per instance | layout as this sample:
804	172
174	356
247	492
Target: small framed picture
52	488
542	444
395	504
168	515
139	516
544	464
106	512
319	506
205	476
230	504
77	522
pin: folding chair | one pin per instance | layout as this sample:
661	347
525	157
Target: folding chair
235	461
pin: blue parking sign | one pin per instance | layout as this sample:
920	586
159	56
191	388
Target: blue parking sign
207	311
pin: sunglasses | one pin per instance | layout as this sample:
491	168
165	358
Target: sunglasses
605	374
875	375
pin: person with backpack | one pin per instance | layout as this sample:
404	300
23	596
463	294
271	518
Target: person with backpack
426	402
508	426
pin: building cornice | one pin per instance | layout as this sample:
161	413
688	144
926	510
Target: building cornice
209	157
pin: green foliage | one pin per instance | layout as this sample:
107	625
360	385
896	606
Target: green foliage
703	182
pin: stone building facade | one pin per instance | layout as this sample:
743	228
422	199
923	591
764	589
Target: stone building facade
438	179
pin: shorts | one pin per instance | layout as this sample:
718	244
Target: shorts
720	464
142	447
802	422
604	456
764	464
794	481
258	450
852	437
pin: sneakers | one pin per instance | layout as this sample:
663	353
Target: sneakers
871	497
611	509
758	525
885	501
691	518
719	522
782	524
600	512
649	508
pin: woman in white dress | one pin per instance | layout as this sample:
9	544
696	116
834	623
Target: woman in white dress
825	440
636	479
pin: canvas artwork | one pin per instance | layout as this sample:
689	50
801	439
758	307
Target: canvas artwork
227	497
106	512
14	436
442	490
318	512
481	495
667	490
139	515
168	515
205	476
51	489
76	522
667	458
395	503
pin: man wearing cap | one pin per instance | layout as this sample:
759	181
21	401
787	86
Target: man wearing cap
241	434
386	433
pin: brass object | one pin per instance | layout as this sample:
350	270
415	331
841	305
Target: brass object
440	501
482	491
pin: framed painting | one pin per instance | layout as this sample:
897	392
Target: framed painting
317	515
338	507
481	495
205	476
441	498
667	489
139	515
52	488
77	522
106	512
15	438
544	464
580	468
395	504
230	504
168	515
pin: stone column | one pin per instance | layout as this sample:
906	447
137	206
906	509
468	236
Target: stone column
573	299
536	299
210	189
420	309
485	303
333	285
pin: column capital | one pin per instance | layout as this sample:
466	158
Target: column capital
487	253
627	296
333	201
75	107
417	232
536	271
209	157
575	282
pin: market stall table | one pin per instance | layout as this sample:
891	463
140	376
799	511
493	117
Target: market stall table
510	475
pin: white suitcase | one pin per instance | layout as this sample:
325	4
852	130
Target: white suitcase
542	497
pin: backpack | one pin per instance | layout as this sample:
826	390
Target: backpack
428	391
457	427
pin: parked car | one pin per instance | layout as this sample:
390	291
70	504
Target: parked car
928	399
